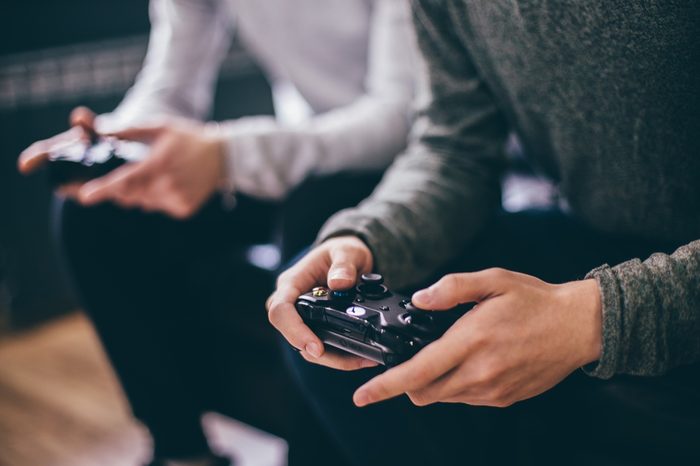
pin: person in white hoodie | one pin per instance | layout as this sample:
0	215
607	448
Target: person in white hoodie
141	241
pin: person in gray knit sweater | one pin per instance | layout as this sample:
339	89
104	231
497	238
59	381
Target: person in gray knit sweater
605	97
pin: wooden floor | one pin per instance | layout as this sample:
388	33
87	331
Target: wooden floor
60	405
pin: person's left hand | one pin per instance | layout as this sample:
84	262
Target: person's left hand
184	168
523	337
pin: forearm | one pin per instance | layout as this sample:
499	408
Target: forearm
651	314
425	210
267	159
436	197
187	43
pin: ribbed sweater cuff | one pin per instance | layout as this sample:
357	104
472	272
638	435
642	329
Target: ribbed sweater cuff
611	300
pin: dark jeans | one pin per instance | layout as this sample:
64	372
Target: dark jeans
172	299
625	420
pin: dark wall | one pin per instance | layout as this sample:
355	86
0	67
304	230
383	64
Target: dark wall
36	39
36	24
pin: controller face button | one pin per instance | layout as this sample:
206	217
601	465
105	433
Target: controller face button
384	308
319	292
356	311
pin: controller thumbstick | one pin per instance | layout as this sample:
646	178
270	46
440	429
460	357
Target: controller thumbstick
422	320
372	279
372	286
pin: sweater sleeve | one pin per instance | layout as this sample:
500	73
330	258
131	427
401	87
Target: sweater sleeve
651	314
267	158
438	194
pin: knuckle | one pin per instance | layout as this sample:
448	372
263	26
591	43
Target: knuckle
148	207
498	395
273	316
130	188
424	374
177	213
181	196
497	273
308	358
501	402
282	278
158	164
484	376
167	180
381	391
187	210
124	198
480	336
449	282
181	210
350	249
341	264
351	365
419	398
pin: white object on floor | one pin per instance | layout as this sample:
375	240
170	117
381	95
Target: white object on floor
247	445
264	256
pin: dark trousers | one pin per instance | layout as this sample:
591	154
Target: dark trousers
181	315
625	420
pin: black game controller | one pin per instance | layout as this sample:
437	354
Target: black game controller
80	161
372	322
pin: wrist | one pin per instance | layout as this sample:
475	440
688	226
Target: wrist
218	149
585	302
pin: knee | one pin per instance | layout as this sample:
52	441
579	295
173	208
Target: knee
68	217
95	230
322	383
74	224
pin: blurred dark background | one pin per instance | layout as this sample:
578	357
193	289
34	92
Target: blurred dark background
53	57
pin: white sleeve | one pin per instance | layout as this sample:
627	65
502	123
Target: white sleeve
188	41
266	159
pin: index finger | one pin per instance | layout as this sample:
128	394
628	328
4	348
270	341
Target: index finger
422	369
285	318
37	154
117	184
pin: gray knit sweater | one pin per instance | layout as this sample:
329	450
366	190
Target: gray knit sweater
605	96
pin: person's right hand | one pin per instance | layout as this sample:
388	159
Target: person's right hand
336	263
82	122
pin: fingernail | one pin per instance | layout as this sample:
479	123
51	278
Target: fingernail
361	398
313	349
423	296
340	274
368	363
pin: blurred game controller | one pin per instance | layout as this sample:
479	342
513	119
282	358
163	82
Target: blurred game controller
372	322
81	161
